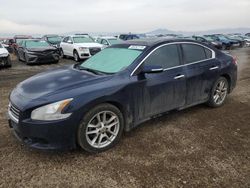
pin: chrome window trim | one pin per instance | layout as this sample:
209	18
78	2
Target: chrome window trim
213	56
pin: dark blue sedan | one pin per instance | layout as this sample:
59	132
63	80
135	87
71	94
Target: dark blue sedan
90	105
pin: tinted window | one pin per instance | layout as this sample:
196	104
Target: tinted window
193	53
166	56
104	42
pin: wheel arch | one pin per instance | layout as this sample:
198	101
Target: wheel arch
227	76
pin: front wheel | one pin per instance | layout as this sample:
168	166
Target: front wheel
76	56
219	92
100	129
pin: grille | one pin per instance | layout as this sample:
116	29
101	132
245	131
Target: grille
14	112
93	51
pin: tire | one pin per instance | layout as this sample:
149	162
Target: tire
224	47
218	93
91	130
62	54
9	64
76	56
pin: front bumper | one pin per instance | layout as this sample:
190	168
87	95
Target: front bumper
49	135
40	58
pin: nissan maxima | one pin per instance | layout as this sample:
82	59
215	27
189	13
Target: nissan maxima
91	104
37	51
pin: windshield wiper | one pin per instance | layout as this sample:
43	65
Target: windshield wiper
77	66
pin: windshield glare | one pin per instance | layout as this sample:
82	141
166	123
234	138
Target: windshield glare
82	39
111	60
36	44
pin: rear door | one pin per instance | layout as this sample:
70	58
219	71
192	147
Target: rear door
64	45
166	90
202	70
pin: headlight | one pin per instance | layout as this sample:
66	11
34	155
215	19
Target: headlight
4	55
51	111
83	49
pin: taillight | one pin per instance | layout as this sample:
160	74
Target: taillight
235	60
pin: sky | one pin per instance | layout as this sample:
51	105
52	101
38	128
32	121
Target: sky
62	16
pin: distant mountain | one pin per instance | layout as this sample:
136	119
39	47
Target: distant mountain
214	31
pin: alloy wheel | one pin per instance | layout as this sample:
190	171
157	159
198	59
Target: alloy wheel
220	92
102	129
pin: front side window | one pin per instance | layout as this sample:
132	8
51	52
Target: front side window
193	53
114	41
36	44
1	46
104	42
166	57
111	60
66	39
82	39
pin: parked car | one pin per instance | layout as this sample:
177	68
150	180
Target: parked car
8	44
108	41
209	41
17	39
245	38
54	40
238	39
128	36
247	34
36	51
92	103
227	44
4	57
80	46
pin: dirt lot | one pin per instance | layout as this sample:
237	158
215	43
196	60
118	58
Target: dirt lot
197	147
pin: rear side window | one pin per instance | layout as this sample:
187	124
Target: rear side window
208	53
166	56
193	53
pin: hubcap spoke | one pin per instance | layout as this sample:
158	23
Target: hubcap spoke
102	129
220	92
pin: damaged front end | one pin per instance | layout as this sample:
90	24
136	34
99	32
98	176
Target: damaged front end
5	60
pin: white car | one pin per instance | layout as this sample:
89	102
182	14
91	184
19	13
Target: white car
108	41
80	46
4	56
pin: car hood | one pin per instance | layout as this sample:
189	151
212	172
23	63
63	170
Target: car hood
89	45
54	81
42	49
3	51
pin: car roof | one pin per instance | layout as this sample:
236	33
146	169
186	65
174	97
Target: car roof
107	37
154	41
77	35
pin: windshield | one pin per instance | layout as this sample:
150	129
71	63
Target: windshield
36	44
111	60
82	39
223	38
210	39
55	39
19	40
114	41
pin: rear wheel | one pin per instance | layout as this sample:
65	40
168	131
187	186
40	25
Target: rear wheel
100	129
224	47
219	92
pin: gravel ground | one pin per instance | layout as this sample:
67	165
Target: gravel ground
197	147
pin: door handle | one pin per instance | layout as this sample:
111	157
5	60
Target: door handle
214	68
179	77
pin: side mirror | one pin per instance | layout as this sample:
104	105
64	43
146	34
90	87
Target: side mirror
152	69
70	42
